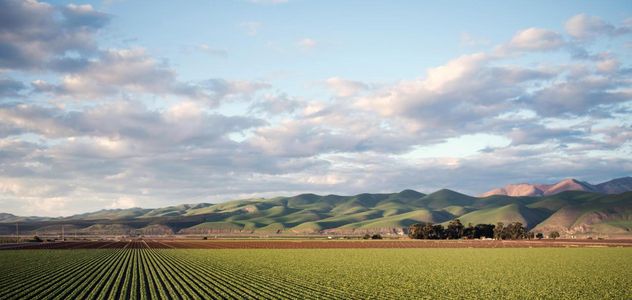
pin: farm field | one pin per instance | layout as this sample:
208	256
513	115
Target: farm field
316	244
138	271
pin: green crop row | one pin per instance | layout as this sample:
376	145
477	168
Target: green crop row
604	273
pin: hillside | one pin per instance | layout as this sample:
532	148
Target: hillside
570	212
615	186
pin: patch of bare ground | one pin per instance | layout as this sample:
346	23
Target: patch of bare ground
317	244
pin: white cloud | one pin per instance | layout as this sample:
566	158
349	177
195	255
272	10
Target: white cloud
148	138
581	96
456	69
11	88
536	39
38	35
275	104
583	26
465	88
344	87
471	93
186	110
118	72
608	64
84	15
122	69
126	123
124	202
47	206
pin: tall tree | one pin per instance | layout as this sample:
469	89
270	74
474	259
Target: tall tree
438	232
515	231
484	231
469	231
498	231
455	229
415	231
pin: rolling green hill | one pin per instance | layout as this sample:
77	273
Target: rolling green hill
571	212
506	214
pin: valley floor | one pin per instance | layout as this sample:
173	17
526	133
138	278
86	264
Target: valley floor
315	244
140	272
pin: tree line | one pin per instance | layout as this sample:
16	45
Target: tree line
456	230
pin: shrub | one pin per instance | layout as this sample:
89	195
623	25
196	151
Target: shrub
376	237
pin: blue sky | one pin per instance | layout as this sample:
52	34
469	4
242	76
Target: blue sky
114	104
364	40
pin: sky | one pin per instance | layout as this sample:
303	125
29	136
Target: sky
119	104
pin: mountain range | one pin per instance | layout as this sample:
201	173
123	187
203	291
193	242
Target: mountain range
615	186
582	213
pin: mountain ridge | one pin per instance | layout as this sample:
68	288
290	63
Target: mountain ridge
569	212
614	186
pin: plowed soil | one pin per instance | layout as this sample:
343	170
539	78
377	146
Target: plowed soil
314	244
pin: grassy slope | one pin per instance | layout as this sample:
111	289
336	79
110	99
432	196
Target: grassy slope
506	214
568	211
312	213
590	213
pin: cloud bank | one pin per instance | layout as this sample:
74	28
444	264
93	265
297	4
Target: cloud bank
84	127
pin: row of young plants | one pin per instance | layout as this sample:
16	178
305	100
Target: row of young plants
316	274
502	273
137	273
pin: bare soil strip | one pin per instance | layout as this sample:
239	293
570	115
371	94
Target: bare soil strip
316	244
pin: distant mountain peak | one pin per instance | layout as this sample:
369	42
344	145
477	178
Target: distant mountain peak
6	217
447	194
445	191
519	189
570	184
615	186
410	194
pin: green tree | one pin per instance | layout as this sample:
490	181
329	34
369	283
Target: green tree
514	231
469	231
428	231
455	229
438	232
376	236
415	231
554	235
498	231
484	231
539	235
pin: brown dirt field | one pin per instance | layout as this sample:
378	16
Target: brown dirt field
314	244
329	244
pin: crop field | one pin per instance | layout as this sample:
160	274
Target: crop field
138	271
315	244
